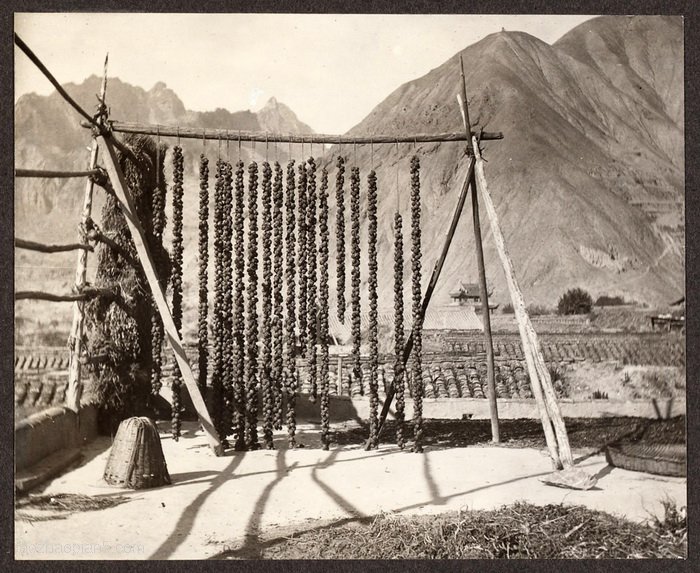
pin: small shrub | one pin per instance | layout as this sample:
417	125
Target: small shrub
575	301
657	383
538	310
626	379
598	395
559	382
674	523
508	309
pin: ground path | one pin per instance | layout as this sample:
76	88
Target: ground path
237	501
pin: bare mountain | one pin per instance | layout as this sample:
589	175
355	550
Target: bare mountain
589	179
48	136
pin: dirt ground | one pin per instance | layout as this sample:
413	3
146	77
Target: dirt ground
234	504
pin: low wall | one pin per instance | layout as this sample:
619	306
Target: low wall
51	430
344	408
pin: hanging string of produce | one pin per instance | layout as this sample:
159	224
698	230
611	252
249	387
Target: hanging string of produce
290	323
356	324
417	362
312	276
373	335
176	278
239	390
251	364
398	330
268	399
277	298
202	320
303	278
340	236
227	306
161	262
217	318
323	309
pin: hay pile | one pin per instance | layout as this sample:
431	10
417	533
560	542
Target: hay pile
516	531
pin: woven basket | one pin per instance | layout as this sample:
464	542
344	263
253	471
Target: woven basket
136	460
659	459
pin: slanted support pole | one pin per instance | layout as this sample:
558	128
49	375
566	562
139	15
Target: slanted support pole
75	341
483	289
437	269
540	380
137	234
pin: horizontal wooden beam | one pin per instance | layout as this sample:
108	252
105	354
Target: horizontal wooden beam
42	248
85	294
202	133
48	174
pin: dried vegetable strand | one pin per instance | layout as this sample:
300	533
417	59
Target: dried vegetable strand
290	324
416	364
340	237
356	324
217	319
302	264
323	309
268	400
312	276
373	308
157	331
202	320
398	330
251	364
277	297
227	303
178	175
239	389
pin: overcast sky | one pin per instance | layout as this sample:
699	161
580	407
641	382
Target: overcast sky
330	69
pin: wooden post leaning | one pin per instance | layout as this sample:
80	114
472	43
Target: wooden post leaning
75	343
552	422
483	290
437	269
121	191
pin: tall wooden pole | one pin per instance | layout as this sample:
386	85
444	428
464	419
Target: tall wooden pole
138	236
75	343
483	290
550	413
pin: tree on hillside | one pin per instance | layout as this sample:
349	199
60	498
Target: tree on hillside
575	301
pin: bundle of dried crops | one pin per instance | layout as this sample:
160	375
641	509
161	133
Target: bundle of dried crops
203	308
251	339
373	308
290	323
323	310
264	374
416	364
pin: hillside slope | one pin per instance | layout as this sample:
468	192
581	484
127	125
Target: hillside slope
588	181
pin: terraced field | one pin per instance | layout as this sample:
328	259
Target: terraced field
454	365
643	349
